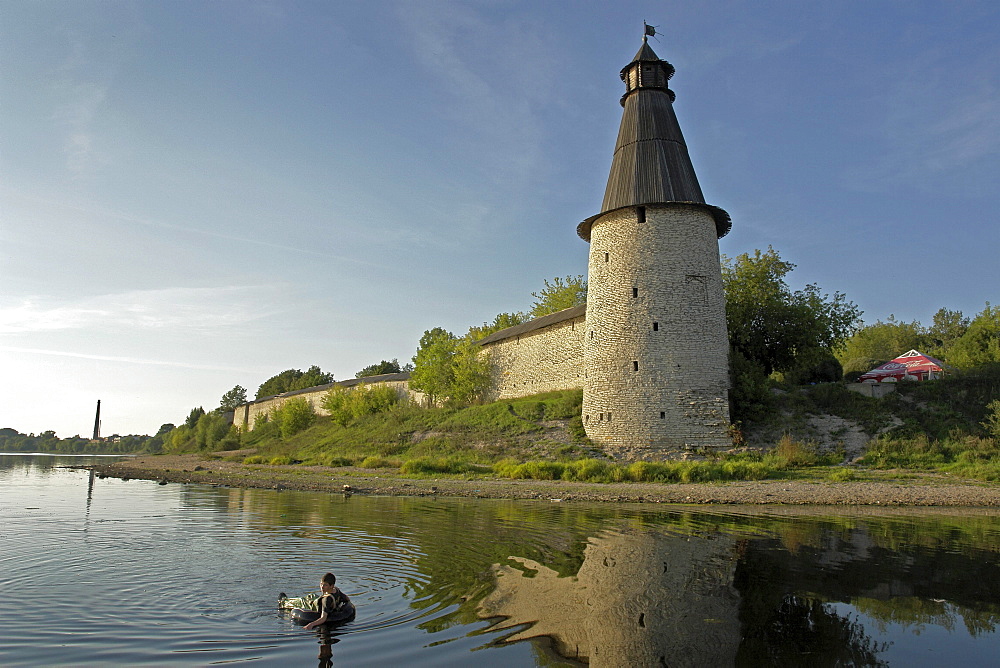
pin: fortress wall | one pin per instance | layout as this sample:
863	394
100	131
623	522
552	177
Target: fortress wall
246	416
543	360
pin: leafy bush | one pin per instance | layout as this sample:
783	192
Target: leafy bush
534	470
347	404
376	462
592	470
431	465
817	365
992	422
293	416
750	390
334	461
794	453
211	428
841	475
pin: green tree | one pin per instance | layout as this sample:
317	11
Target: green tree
349	403
433	365
471	373
180	439
194	416
293	416
750	392
212	427
947	328
155	443
293	379
501	321
233	398
817	365
380	368
876	344
992	422
980	344
561	293
769	323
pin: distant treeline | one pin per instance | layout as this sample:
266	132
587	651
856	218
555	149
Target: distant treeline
12	440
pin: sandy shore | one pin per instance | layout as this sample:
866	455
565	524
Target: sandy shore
887	490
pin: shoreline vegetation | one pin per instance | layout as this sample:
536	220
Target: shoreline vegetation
873	488
927	444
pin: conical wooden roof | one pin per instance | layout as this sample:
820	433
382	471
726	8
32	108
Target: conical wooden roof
651	163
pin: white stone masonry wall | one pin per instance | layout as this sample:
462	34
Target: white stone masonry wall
543	360
656	348
246	416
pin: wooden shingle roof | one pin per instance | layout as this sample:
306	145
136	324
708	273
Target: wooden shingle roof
651	164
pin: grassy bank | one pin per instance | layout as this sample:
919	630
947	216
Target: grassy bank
948	426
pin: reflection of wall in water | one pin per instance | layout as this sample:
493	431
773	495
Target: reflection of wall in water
637	600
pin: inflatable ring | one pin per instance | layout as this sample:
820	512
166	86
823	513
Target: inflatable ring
346	613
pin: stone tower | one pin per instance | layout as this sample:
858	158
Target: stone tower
656	347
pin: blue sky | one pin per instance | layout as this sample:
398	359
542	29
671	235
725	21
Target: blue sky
195	195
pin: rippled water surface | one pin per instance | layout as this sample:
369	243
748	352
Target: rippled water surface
99	572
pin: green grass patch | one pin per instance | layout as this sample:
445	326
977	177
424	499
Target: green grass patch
376	462
591	470
959	454
842	475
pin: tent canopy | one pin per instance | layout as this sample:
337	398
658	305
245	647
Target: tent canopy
912	365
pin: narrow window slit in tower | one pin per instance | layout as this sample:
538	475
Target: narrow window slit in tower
635	365
663	414
640	213
609	417
656	326
635	292
606	256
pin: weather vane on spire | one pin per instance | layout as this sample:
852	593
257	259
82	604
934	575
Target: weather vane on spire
649	31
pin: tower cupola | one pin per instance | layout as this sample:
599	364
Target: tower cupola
651	164
647	71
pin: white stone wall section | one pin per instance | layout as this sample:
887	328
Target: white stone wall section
543	360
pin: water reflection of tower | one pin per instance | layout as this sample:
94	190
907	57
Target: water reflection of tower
639	599
97	422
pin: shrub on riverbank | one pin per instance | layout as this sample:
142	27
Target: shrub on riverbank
734	467
964	455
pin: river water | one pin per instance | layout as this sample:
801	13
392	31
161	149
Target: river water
112	572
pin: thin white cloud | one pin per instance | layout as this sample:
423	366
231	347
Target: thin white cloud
490	73
200	309
941	130
124	360
80	97
76	117
98	213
